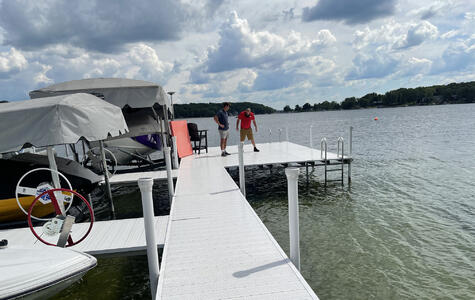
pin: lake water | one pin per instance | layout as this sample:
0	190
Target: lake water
403	229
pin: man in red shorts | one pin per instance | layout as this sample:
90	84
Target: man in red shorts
246	117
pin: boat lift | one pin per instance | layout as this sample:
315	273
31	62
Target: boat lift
51	121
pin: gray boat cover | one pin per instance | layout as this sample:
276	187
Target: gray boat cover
58	120
118	91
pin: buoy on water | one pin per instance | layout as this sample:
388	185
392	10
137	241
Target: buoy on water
376	118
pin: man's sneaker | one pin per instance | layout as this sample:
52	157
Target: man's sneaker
256	150
223	153
226	152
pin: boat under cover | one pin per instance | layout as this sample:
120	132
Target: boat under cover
82	180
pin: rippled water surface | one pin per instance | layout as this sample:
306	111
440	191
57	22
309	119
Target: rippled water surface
403	229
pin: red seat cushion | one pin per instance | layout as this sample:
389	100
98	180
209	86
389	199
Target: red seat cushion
180	131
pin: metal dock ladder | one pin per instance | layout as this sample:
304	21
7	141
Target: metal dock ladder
340	159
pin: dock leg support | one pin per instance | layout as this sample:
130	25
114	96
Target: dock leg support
350	156
171	190
242	175
176	164
106	177
145	185
292	174
306	170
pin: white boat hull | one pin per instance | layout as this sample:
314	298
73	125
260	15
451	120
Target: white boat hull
40	272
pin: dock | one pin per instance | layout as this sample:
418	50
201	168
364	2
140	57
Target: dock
106	237
216	247
134	176
271	153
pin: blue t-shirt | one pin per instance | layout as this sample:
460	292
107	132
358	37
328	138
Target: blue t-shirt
223	119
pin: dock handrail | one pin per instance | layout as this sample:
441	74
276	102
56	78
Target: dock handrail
340	141
323	147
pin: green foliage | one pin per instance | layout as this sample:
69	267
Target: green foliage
453	93
287	109
197	110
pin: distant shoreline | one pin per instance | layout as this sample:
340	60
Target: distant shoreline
453	93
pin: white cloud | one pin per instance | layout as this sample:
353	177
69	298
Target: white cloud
12	62
417	34
459	57
449	34
373	65
395	35
415	66
242	47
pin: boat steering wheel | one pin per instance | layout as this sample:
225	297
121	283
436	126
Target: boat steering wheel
94	157
61	229
35	191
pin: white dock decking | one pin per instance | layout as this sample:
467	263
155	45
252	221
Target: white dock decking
106	237
270	153
133	177
216	247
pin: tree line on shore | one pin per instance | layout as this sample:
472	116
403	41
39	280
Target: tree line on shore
454	93
198	110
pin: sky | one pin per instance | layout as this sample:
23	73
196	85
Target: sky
273	52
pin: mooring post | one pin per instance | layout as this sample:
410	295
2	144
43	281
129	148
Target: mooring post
350	157
311	137
106	177
242	175
280	135
55	176
176	164
270	135
287	134
171	190
145	185
292	174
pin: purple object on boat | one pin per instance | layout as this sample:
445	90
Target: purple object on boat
149	140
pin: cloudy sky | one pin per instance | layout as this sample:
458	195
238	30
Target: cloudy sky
274	52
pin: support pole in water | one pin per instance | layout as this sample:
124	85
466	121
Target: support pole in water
287	134
171	190
311	137
280	135
242	175
292	174
106	177
176	164
145	185
54	175
350	155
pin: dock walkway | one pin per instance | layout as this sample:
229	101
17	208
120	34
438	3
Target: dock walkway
270	153
106	237
216	247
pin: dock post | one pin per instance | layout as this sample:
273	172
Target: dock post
54	175
168	163
242	175
350	156
311	137
280	135
270	136
145	185
292	174
176	164
287	133
106	177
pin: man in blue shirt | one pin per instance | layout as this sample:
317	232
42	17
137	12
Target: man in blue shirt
221	118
